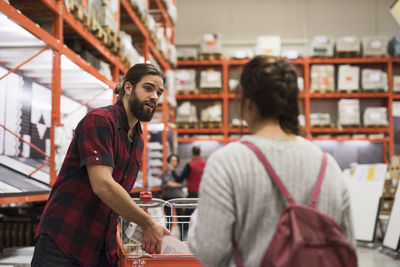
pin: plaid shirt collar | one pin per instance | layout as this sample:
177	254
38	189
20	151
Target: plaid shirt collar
122	119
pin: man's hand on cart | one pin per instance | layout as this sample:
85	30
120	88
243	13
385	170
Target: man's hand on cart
152	237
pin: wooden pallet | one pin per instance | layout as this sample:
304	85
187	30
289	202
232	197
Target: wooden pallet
322	91
330	125
186	58
210	56
187	92
347	54
351	126
374	91
348	91
210	124
210	90
187	125
236	126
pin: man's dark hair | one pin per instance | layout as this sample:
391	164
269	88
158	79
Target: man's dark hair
171	156
135	74
271	84
196	151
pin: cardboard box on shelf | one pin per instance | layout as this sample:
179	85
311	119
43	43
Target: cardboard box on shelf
268	45
320	119
322	78
349	112
212	113
348	46
322	46
210	79
187	113
185	53
185	80
395	161
348	78
374	46
374	80
375	116
396	83
211	43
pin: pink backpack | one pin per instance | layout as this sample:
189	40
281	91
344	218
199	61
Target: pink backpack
304	236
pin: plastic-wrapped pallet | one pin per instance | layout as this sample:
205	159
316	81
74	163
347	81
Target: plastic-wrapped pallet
349	112
128	50
212	113
322	78
348	44
142	6
322	46
374	46
396	83
105	69
375	116
110	9
186	113
171	87
239	53
172	54
211	43
210	79
374	79
300	83
185	80
268	45
320	119
348	78
394	46
186	53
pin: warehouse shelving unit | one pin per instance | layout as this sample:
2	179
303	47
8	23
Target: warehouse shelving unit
306	97
25	14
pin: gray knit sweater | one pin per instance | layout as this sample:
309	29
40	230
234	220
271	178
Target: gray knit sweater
237	195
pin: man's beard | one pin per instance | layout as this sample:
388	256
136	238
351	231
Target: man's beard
138	110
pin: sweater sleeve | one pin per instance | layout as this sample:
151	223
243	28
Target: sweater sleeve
347	220
210	231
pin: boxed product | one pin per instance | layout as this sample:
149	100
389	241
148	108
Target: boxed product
394	46
322	78
349	112
142	6
348	77
374	79
127	49
348	44
212	113
185	79
210	79
396	83
322	46
300	83
186	113
268	45
320	119
374	46
211	44
239	53
375	116
186	53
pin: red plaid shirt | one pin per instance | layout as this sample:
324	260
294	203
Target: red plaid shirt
75	218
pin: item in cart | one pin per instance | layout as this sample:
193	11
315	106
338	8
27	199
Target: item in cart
375	116
348	46
210	79
210	44
349	112
322	46
374	46
348	78
268	45
322	78
185	81
320	120
396	83
394	46
374	80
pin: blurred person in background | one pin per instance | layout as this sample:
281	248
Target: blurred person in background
239	204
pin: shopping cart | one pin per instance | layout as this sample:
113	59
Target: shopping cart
130	253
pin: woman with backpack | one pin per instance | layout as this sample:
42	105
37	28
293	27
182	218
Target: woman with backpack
258	196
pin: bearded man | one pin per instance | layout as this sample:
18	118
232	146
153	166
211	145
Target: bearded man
78	224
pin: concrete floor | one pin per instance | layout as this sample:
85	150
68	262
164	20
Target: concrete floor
369	257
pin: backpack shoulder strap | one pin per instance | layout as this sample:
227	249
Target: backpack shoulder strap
317	188
274	177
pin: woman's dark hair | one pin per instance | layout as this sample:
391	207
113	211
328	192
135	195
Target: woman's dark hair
135	74
271	84
171	156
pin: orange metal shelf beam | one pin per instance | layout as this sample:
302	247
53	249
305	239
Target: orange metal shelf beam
135	18
4	199
350	130
395	59
164	13
348	60
349	95
396	96
199	131
199	97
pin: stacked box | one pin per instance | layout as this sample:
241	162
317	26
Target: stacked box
142	6
186	113
210	79
348	44
396	83
172	56
127	49
211	44
186	53
374	46
349	112
348	77
394	46
322	78
320	119
212	113
239	53
322	46
373	79
185	79
268	45
375	116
